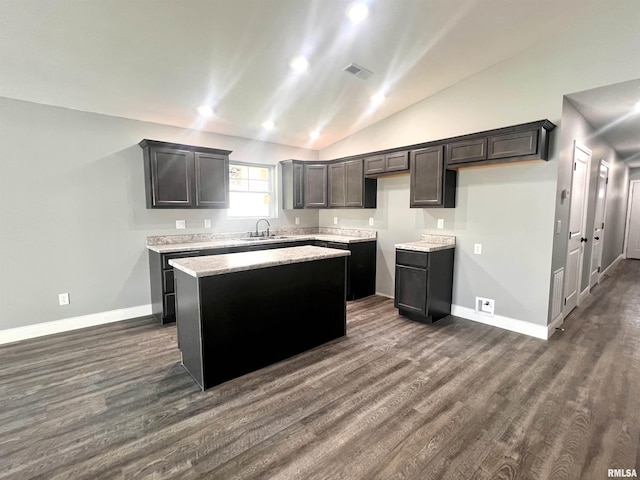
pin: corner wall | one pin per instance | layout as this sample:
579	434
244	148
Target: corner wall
72	210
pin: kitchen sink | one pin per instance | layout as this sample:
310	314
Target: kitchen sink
258	239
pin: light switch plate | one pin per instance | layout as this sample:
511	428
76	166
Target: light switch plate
207	223
477	249
335	220
441	223
371	221
181	224
297	220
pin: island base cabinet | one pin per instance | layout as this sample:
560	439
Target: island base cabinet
423	284
232	324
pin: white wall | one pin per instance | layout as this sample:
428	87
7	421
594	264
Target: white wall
508	209
634	174
72	209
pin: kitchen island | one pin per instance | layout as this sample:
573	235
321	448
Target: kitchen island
239	312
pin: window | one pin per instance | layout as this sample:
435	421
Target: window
251	190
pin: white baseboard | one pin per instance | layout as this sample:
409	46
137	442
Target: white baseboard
506	323
551	328
613	264
11	335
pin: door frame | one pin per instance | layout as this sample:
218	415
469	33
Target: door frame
628	222
604	216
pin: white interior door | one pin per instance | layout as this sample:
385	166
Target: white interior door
633	224
598	226
577	220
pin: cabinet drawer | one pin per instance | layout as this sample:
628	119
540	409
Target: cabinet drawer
170	256
374	165
338	245
513	145
412	259
397	162
167	281
466	151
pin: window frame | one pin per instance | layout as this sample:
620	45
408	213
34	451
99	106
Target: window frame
273	211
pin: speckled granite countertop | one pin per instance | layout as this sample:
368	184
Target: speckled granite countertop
237	262
430	243
184	243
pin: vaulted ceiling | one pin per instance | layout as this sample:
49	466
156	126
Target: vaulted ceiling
159	60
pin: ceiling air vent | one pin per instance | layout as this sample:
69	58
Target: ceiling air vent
360	72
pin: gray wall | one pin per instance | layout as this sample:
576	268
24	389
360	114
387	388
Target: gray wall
72	209
508	209
634	174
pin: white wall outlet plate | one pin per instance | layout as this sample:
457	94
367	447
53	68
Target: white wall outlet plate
477	249
335	220
371	221
207	223
485	306
297	220
441	223
63	298
181	224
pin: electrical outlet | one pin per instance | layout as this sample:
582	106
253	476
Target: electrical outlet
207	223
477	249
63	299
485	306
371	221
335	220
180	224
297	220
441	223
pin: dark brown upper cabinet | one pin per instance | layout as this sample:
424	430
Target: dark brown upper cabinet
212	180
185	176
292	180
348	188
430	184
528	141
315	185
395	162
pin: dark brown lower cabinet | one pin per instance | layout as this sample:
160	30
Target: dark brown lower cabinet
424	282
361	267
361	271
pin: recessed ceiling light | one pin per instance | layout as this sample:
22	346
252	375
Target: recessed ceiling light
299	64
314	135
357	12
268	124
205	110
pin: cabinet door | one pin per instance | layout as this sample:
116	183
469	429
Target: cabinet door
411	289
298	185
397	162
513	145
315	186
375	165
354	183
171	177
466	151
337	185
212	180
427	175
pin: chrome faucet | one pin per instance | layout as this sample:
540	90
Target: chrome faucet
268	225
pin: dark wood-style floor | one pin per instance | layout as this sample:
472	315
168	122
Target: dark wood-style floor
395	399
